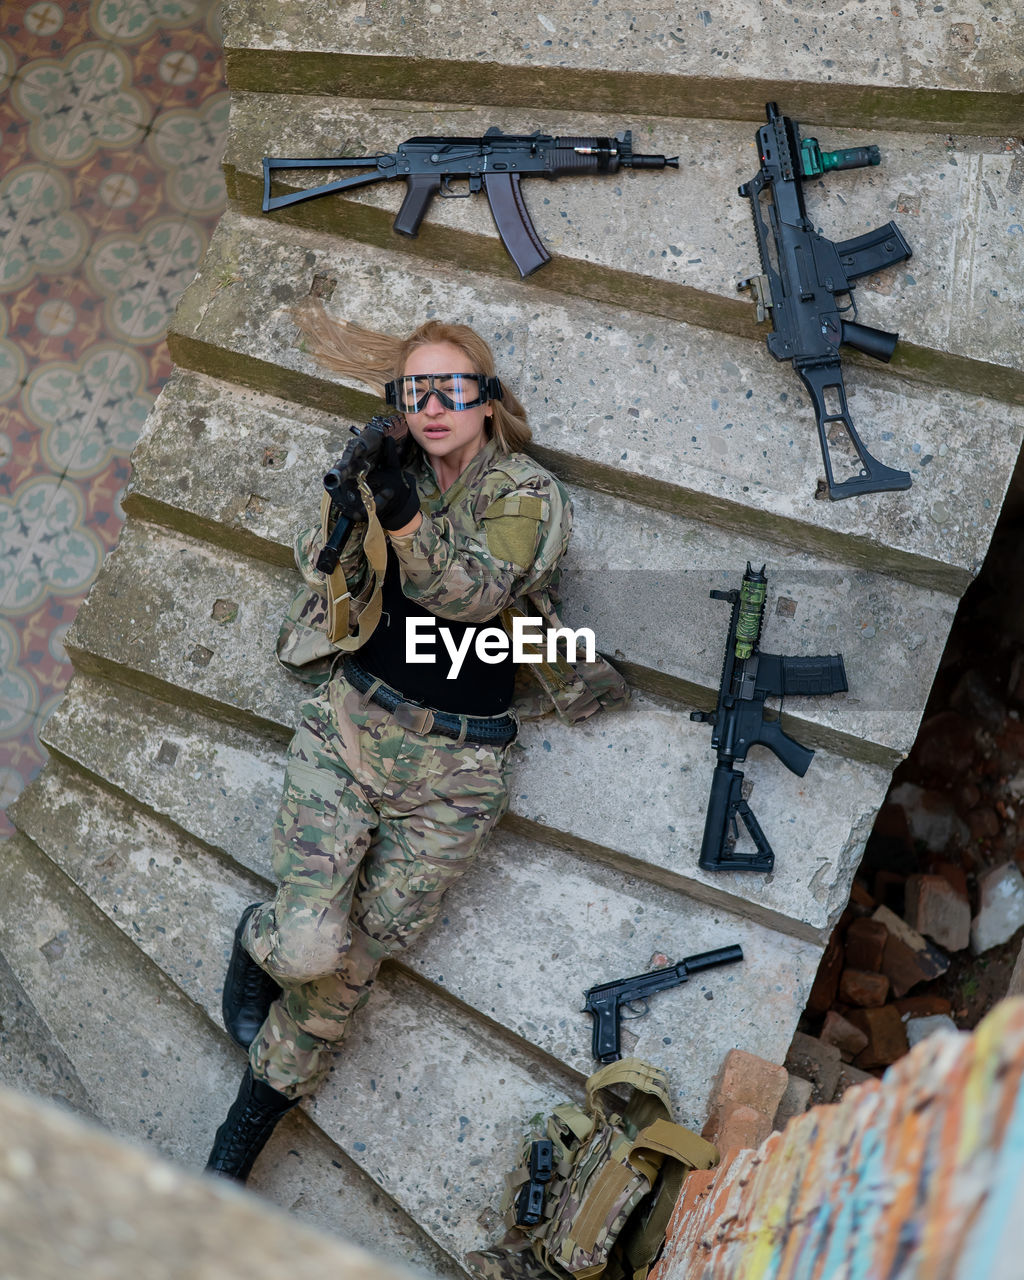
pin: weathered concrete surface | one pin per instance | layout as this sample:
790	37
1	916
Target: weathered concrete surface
913	64
676	243
75	1202
688	451
698	431
177	901
31	1060
152	1063
251	463
227	669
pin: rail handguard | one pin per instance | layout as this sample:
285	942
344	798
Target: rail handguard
494	163
802	276
748	678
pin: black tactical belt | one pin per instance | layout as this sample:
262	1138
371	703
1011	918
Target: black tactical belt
491	731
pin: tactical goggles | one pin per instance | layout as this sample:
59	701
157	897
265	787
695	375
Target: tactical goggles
455	390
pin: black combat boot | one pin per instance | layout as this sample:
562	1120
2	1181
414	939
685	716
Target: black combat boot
248	991
246	1128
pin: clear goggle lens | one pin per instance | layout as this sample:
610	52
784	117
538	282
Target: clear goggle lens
454	390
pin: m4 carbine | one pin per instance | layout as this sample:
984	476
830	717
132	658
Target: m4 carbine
748	678
802	274
495	162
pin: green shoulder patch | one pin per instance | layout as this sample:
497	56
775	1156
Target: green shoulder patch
512	525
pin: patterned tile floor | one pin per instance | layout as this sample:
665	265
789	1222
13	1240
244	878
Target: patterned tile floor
112	115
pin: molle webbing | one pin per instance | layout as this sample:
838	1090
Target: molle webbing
338	596
618	1167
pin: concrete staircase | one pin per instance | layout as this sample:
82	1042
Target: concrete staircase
688	451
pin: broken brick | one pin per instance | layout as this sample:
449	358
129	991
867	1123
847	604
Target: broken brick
934	908
737	1126
908	957
849	1076
865	944
817	1062
887	1036
954	873
841	1032
866	990
795	1101
745	1082
922	1006
826	981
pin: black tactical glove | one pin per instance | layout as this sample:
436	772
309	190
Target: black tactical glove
393	489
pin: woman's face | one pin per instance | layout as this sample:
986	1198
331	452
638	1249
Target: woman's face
454	435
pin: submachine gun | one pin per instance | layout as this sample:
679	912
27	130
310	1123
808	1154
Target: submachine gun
802	274
748	677
341	483
495	163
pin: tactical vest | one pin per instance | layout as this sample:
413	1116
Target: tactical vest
594	1196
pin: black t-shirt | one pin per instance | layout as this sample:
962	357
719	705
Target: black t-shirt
479	689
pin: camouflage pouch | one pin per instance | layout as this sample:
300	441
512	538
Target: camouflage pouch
315	627
615	1175
302	643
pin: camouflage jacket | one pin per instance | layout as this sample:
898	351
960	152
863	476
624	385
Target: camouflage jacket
489	547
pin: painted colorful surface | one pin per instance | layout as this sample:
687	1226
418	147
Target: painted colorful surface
113	115
919	1176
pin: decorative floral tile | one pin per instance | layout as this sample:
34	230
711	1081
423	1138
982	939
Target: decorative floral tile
39	231
79	103
111	132
142	276
187	144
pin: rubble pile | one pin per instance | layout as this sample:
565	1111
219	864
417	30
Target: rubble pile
935	923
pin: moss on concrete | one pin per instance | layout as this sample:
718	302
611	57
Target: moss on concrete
562	88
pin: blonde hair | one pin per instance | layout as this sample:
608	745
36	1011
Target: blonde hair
376	358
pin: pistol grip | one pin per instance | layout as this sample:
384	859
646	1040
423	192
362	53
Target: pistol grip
420	190
604	1040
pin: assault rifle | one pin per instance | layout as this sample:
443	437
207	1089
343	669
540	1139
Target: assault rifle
495	162
605	1001
748	677
342	481
802	274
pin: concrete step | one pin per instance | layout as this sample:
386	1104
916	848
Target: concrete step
549	908
676	243
31	1060
457	1094
696	433
903	70
629	568
227	669
155	1069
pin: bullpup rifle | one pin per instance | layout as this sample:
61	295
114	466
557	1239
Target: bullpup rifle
494	163
803	274
748	677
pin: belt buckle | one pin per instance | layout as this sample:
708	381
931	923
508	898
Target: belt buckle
412	716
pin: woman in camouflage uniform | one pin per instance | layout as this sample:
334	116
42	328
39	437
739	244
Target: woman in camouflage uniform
396	773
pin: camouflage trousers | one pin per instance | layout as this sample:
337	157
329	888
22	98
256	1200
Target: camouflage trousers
375	824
